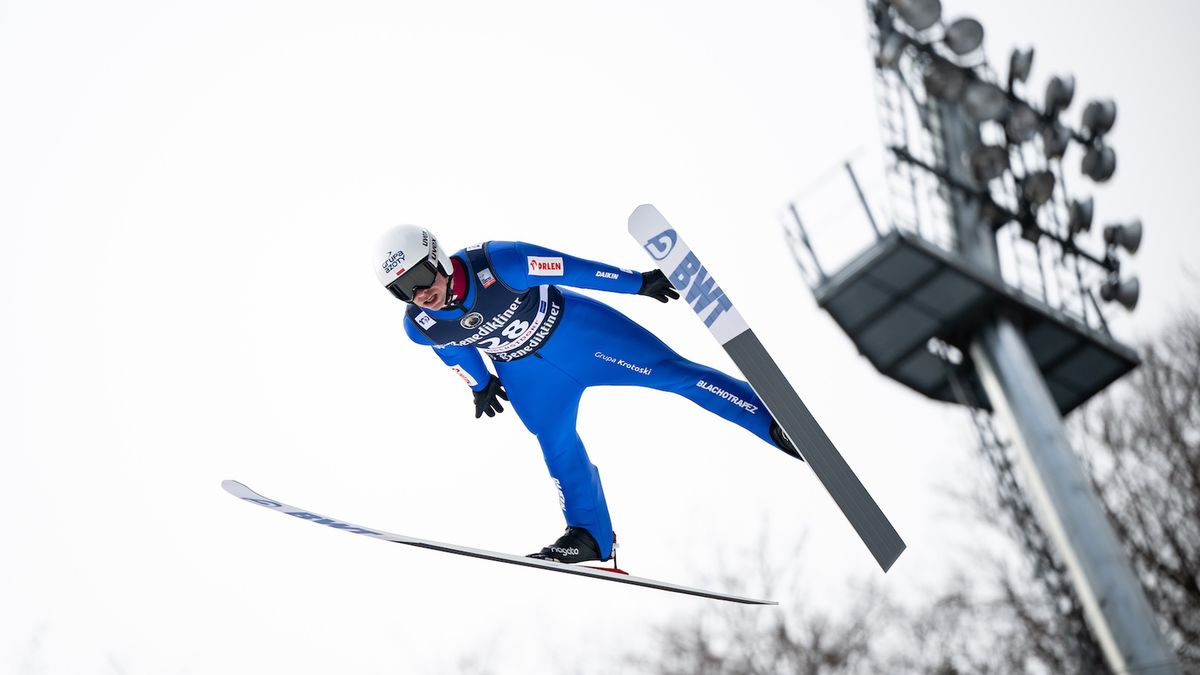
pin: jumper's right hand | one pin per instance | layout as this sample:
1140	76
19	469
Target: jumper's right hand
487	400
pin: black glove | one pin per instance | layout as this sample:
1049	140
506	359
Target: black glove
656	285
487	400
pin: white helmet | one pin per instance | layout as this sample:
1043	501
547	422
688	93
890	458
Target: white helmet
407	259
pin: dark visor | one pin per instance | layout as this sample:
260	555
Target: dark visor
408	284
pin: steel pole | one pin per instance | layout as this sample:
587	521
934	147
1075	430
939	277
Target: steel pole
1113	601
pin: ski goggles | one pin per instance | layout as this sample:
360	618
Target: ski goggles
407	285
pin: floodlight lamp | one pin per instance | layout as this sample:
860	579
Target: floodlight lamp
1030	231
944	80
1038	187
1055	139
920	14
1022	123
964	36
1123	292
989	162
1079	216
994	215
1059	92
1020	62
1127	235
1099	117
891	50
1099	163
984	101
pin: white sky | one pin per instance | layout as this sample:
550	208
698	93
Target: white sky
188	192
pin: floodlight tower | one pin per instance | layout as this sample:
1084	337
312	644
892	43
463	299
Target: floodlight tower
943	303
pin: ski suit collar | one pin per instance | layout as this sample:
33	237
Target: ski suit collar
458	280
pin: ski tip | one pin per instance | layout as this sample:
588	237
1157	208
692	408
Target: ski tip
233	487
643	214
748	601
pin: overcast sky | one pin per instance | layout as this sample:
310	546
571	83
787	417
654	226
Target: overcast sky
188	195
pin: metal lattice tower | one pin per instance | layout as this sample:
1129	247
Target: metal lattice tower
978	291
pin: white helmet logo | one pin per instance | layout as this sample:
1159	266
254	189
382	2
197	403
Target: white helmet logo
393	261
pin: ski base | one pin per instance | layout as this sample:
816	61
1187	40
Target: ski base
607	574
701	291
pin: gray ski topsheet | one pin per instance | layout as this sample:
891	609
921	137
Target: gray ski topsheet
700	290
241	491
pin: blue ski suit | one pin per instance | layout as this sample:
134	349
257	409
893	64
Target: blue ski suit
548	344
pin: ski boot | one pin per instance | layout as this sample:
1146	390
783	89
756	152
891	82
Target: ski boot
782	441
576	545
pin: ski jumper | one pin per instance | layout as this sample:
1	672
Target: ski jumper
549	344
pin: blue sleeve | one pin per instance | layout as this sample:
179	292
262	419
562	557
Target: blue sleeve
521	266
464	361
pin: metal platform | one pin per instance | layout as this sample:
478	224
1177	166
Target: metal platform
902	292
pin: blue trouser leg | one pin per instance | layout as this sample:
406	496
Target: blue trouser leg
596	345
716	392
624	353
547	401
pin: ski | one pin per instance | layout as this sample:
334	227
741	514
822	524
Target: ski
242	492
699	289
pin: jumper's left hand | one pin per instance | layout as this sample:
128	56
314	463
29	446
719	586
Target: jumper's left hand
656	285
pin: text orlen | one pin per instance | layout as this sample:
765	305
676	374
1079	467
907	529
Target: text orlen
545	266
717	391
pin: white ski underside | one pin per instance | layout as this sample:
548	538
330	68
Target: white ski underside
241	491
699	289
